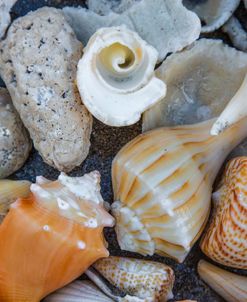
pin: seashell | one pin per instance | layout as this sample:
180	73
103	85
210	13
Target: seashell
78	291
118	66
170	28
232	287
5	7
225	241
162	182
52	237
213	13
234	111
139	278
236	33
15	143
10	190
201	80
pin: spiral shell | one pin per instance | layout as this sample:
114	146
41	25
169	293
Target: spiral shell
143	279
232	287
51	237
225	241
162	182
116	76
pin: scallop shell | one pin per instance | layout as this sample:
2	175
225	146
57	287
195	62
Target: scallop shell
232	287
50	238
118	67
170	28
10	190
162	182
143	279
201	80
225	241
78	291
214	13
5	7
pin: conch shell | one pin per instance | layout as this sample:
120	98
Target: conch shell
5	8
213	13
148	280
225	241
50	238
10	190
116	77
201	81
232	287
162	182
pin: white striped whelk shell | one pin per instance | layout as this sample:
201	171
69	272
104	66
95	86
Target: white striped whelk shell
225	241
116	77
162	183
232	287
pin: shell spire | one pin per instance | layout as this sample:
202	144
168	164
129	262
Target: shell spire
225	241
162	182
51	237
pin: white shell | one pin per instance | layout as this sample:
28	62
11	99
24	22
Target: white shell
200	80
5	7
162	183
214	13
165	24
78	291
232	287
236	33
234	111
116	77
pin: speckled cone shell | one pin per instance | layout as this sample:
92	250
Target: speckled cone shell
162	182
140	278
225	241
42	250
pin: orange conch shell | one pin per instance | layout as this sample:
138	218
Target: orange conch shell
50	238
226	238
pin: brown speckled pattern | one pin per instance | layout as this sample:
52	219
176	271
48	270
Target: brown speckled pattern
106	141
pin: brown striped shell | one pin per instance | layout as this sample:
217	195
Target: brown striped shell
162	182
225	241
139	278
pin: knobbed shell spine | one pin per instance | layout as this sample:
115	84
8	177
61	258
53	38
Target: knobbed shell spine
231	287
116	77
225	240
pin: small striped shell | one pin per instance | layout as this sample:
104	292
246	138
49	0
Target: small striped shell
162	182
78	291
225	241
143	279
232	287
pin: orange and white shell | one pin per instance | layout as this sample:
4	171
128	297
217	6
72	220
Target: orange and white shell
147	280
162	182
225	241
50	238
